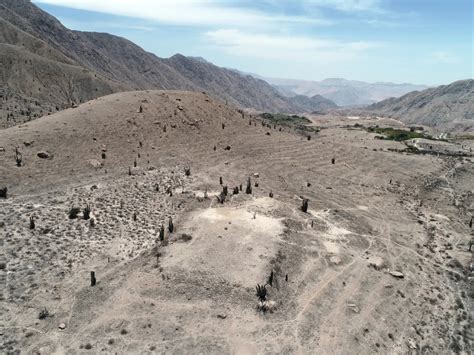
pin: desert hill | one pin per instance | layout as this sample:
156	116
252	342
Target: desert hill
111	64
378	263
447	107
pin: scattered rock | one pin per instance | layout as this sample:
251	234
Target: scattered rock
222	316
397	274
336	260
28	143
62	326
44	155
412	344
353	307
227	147
95	163
376	262
256	175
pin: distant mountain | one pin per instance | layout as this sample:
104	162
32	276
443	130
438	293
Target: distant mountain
447	107
240	89
47	67
344	92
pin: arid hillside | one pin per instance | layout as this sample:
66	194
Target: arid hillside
446	107
38	52
181	205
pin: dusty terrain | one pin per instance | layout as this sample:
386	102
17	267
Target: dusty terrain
380	262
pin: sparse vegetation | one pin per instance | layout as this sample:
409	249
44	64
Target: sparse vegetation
261	292
74	212
162	234
248	189
285	120
43	314
221	197
93	279
32	222
18	158
186	237
270	279
170	225
86	213
398	135
304	206
298	123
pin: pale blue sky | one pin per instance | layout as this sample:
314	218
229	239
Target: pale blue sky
417	41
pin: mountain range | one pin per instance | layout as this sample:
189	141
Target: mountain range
46	67
343	92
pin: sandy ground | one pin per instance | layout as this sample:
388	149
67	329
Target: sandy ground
380	263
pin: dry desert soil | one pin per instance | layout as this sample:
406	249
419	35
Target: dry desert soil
379	263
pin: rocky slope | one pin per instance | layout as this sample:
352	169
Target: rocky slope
101	63
447	107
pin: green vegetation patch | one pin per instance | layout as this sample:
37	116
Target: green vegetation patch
286	120
398	135
298	123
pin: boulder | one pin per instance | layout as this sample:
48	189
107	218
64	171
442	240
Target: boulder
397	274
44	154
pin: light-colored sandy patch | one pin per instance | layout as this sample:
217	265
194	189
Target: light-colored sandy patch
333	231
336	232
229	242
331	247
441	216
363	208
353	117
202	194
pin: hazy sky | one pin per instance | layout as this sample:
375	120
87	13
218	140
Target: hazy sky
416	41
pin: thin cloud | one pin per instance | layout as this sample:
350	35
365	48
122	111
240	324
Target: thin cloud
350	5
276	47
188	12
444	57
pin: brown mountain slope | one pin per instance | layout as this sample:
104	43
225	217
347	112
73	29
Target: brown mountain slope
33	85
229	85
447	107
119	60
